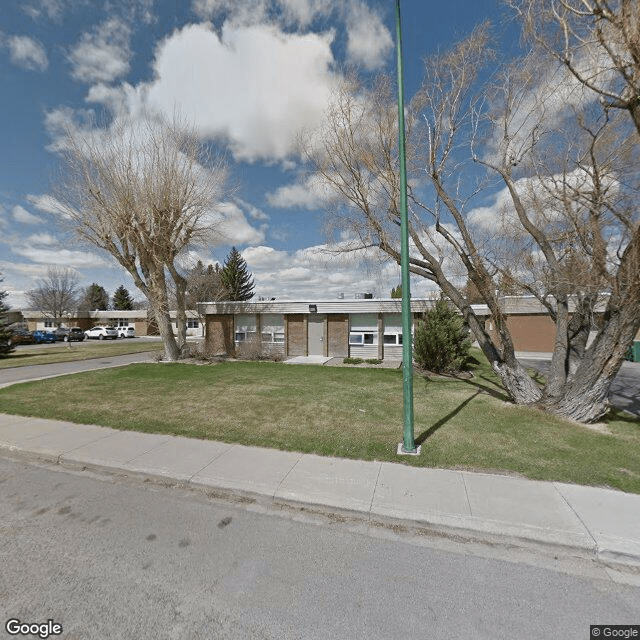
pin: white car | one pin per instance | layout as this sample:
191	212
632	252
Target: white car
126	332
102	333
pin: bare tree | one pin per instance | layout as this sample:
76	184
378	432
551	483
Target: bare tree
567	225
144	191
55	296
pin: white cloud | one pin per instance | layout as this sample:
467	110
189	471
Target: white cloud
253	86
27	53
319	273
53	9
45	203
368	40
230	227
43	239
104	54
311	194
59	256
20	214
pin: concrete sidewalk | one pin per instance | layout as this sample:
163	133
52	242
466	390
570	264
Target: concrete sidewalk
589	522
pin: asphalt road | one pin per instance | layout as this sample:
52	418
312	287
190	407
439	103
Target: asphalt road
117	558
12	375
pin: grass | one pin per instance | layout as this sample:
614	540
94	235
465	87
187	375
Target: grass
71	351
342	411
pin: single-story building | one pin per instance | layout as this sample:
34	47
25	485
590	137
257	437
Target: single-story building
364	328
138	319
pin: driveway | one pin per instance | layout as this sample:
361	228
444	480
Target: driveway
625	389
39	371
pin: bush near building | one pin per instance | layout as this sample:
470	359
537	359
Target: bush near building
441	342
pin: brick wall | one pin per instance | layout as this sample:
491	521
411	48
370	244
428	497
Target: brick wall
296	334
529	332
338	335
219	335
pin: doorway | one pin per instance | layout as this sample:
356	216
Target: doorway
315	335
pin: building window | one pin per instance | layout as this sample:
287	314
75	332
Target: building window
362	337
272	328
122	322
363	329
192	324
48	324
392	338
245	328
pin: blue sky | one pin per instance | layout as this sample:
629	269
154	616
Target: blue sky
248	73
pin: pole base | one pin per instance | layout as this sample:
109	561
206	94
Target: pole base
401	450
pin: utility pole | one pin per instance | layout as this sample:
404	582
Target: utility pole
407	446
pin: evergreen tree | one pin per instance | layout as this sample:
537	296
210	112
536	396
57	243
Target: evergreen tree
396	292
5	334
441	343
237	279
94	298
122	300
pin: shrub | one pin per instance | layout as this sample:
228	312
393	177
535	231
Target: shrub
353	361
373	361
255	349
441	343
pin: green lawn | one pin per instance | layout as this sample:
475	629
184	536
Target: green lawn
70	351
342	411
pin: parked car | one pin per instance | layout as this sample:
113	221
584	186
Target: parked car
102	333
75	334
21	336
61	332
43	336
126	332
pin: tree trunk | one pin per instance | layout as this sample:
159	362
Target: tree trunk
585	396
517	382
557	377
160	304
171	350
181	310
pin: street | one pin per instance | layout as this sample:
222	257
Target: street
114	557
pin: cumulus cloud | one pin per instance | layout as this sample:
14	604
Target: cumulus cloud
368	41
254	86
27	53
311	194
319	272
231	227
102	55
20	214
58	256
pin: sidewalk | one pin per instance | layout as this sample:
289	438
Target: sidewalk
589	522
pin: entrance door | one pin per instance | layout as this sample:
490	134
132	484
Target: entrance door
316	335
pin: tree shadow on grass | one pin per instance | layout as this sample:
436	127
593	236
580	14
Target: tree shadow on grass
432	429
488	388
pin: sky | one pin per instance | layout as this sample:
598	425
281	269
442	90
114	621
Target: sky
249	75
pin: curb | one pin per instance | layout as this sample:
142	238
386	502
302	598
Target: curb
457	529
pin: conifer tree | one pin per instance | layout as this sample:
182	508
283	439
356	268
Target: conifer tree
5	334
236	277
122	300
94	298
441	342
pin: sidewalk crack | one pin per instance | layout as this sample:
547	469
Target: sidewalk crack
375	488
466	493
582	522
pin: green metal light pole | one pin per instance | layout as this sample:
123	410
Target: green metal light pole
408	444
